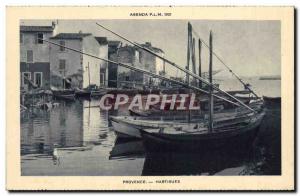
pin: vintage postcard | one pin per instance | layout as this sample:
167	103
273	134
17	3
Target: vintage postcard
150	98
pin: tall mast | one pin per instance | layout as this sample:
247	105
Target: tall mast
200	71
189	39
211	101
194	58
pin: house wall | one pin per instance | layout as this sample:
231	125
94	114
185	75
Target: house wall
159	63
92	75
73	66
42	67
103	53
125	77
40	51
41	58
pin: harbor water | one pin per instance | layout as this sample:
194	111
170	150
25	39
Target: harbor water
76	139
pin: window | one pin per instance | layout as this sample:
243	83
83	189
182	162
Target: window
29	56
25	77
62	64
127	78
62	47
21	38
40	37
38	78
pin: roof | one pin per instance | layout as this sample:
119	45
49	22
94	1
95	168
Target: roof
114	43
36	28
150	47
101	40
71	35
113	46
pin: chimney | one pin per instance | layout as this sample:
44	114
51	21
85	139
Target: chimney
55	27
53	24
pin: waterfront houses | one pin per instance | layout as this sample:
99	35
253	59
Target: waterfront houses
72	70
34	56
44	65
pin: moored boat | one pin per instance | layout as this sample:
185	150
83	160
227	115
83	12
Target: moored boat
234	134
66	94
127	126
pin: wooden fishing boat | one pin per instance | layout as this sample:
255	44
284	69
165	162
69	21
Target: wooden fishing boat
126	126
98	92
90	91
166	114
83	93
235	134
66	94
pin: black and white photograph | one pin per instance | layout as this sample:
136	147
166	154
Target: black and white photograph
112	97
150	98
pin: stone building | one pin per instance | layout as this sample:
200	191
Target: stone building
137	57
77	69
34	56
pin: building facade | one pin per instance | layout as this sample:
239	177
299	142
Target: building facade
34	56
77	69
137	57
103	53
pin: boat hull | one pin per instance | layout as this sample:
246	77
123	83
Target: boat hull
125	131
64	94
235	139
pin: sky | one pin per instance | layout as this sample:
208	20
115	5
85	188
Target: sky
249	48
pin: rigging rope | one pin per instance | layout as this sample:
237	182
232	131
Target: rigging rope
229	69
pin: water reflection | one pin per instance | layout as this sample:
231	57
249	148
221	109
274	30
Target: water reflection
127	149
75	138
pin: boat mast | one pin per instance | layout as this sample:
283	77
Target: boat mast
189	38
200	45
178	67
211	100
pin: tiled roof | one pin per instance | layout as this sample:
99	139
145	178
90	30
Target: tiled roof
36	28
101	40
71	35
